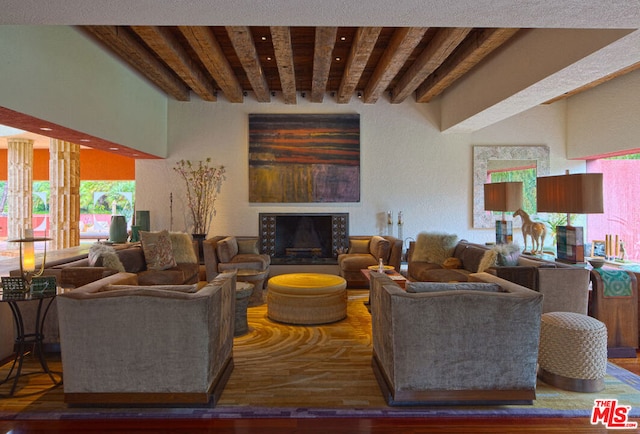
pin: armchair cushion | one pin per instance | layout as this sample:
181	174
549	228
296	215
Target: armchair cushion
458	286
379	248
158	250
248	247
359	246
227	248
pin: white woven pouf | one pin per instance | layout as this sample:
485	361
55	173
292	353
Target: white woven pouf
573	351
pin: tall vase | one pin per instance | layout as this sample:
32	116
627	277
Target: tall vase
200	239
143	220
118	229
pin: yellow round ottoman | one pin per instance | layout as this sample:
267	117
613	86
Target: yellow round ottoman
307	298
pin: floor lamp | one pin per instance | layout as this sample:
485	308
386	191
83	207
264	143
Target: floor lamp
579	193
503	196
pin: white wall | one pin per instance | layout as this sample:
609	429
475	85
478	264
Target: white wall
605	119
406	164
56	74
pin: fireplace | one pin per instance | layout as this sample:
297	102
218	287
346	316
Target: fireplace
303	238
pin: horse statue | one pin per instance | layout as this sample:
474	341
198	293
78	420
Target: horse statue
536	230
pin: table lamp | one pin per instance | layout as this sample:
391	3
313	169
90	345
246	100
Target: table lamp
503	196
28	258
579	193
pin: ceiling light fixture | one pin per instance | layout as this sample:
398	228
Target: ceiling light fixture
264	38
46	129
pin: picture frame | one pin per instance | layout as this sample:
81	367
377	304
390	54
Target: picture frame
598	248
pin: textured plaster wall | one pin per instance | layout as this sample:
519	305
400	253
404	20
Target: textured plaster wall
56	74
406	164
605	119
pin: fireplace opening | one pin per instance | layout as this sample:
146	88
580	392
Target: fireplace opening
303	238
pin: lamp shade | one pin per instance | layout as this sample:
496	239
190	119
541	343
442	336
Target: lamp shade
503	196
579	193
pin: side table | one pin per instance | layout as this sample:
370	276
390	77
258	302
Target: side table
14	299
257	277
243	292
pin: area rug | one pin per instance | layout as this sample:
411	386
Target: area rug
284	371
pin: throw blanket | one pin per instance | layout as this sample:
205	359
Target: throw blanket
617	283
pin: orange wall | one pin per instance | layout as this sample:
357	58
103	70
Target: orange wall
94	165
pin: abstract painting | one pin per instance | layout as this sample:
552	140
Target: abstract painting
304	158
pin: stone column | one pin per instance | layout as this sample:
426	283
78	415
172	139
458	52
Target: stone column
64	208
19	186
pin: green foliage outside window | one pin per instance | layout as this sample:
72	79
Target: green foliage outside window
528	178
96	197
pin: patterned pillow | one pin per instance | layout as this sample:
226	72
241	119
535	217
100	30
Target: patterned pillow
158	251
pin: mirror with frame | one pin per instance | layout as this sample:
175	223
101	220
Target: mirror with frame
492	159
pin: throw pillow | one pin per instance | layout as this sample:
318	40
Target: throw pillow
434	247
452	263
102	255
461	286
158	251
379	248
112	261
488	260
359	246
248	247
226	249
96	250
508	254
182	245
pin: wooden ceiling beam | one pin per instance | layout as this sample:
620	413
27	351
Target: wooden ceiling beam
121	41
402	44
165	45
363	45
325	40
472	51
281	38
245	48
440	47
207	48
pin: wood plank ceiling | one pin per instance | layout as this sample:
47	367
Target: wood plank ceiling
301	62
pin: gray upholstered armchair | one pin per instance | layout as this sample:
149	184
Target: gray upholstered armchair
162	345
455	343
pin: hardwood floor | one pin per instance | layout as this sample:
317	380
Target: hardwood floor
284	395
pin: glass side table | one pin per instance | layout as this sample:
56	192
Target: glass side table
23	339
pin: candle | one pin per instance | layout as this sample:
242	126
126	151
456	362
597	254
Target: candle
28	253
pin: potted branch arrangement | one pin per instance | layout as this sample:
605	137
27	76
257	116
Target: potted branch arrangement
203	181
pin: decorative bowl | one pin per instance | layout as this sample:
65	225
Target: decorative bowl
375	267
596	262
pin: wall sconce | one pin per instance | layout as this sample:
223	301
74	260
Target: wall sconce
579	193
503	196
